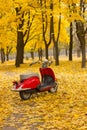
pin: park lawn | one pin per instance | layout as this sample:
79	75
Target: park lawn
64	110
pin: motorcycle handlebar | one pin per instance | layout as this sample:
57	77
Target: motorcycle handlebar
46	63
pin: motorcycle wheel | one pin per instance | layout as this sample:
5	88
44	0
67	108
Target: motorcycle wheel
54	89
25	95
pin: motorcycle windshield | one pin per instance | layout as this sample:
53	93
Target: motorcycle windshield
47	71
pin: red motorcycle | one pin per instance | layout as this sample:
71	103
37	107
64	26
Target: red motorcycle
30	84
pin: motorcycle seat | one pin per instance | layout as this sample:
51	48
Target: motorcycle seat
25	76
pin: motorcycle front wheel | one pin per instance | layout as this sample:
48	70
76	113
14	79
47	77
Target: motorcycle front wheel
25	95
54	89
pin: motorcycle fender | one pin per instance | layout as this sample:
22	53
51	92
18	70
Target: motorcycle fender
30	83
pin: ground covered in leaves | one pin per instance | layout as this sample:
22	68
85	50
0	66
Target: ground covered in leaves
64	110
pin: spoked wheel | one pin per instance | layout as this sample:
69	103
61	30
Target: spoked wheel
54	89
25	95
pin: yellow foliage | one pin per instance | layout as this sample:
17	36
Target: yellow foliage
9	21
75	16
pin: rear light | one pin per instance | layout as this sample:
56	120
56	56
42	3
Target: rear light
15	83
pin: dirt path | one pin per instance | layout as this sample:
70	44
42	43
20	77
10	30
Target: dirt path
24	116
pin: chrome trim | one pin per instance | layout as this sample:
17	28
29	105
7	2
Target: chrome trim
18	90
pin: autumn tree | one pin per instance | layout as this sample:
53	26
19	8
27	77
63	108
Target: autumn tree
77	10
28	29
46	24
81	31
56	39
5	30
24	20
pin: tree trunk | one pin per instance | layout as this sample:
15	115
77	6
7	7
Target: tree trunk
66	51
81	37
32	55
78	52
40	54
83	54
19	48
22	53
20	41
46	51
7	54
56	54
71	43
2	55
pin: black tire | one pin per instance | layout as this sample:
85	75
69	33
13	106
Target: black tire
54	89
25	95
